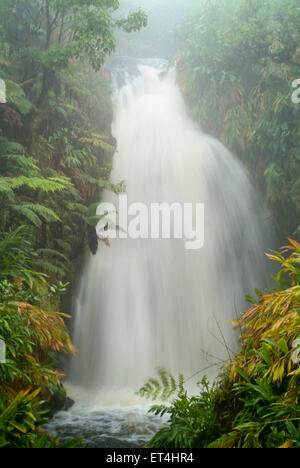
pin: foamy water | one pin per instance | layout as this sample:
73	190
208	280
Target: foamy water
113	419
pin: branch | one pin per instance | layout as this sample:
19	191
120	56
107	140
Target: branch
55	18
61	27
48	25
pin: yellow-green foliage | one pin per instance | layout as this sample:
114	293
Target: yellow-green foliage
269	329
255	403
265	374
20	420
32	332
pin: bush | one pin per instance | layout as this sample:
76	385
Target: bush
255	402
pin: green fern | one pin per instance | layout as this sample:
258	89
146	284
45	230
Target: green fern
34	212
15	162
27	213
6	190
16	95
17	258
49	267
97	141
105	184
163	387
50	185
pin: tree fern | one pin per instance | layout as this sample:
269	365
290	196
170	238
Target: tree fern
49	185
16	95
14	163
105	184
98	142
51	253
50	267
27	213
52	261
6	190
34	212
76	158
17	257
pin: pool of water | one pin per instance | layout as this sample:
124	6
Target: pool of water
107	420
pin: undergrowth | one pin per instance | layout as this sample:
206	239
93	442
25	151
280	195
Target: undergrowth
254	403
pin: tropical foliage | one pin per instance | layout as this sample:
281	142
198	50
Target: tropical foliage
55	159
239	61
237	64
32	334
255	402
20	421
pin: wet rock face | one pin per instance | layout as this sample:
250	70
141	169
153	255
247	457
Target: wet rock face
92	239
59	403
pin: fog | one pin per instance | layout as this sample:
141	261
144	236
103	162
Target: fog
160	38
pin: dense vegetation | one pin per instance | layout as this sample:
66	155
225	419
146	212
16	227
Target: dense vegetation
239	60
55	158
255	401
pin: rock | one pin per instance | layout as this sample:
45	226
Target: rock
59	403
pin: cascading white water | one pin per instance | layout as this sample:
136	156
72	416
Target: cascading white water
146	303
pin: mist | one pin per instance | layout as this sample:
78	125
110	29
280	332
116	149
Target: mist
160	38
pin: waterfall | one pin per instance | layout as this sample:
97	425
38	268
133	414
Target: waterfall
145	303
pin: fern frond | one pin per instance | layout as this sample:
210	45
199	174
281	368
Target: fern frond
6	190
97	141
52	253
27	213
34	212
163	387
78	208
17	161
105	184
10	146
49	267
16	95
53	184
62	244
43	211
